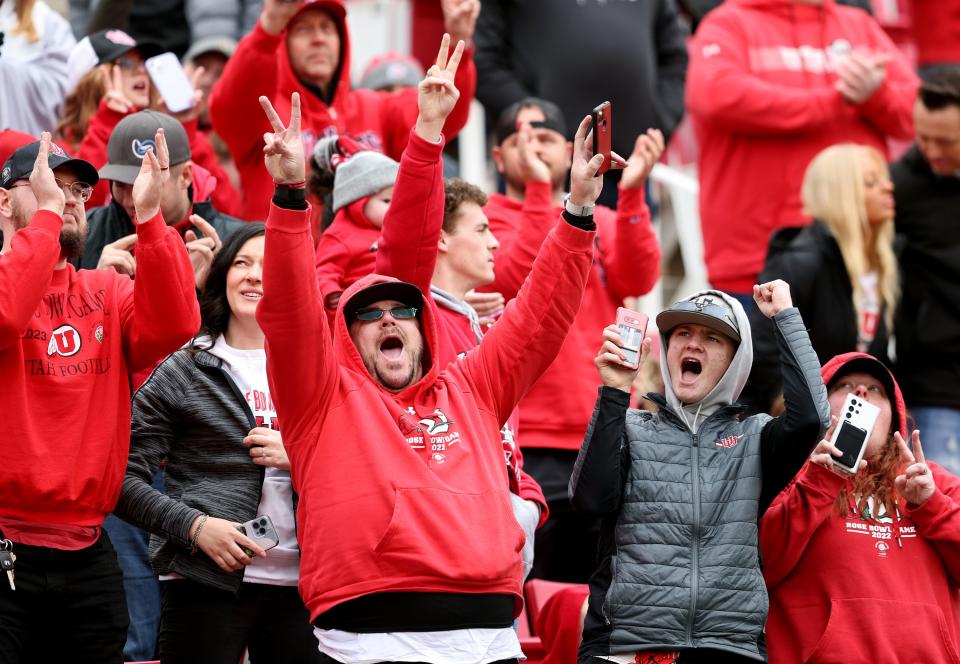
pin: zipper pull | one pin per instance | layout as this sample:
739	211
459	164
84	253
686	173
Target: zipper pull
696	440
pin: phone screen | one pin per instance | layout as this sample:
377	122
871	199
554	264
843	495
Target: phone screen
631	337
849	441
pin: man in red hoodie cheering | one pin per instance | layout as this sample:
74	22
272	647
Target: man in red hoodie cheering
410	551
303	46
68	341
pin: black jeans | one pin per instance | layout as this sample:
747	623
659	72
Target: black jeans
204	625
69	606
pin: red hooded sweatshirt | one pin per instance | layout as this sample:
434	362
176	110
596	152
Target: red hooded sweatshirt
347	251
409	253
404	491
93	148
68	342
557	409
760	92
852	589
379	120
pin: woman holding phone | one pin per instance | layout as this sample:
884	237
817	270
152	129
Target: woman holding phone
207	411
841	268
864	568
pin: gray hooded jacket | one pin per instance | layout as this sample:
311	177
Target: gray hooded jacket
680	492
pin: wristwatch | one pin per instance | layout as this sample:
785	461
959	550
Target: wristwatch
577	210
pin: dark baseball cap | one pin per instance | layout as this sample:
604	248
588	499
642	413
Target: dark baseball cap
102	48
703	309
552	118
132	137
20	165
400	291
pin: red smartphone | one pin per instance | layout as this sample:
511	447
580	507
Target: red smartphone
602	133
633	327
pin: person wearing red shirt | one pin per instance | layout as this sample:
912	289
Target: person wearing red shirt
69	340
432	566
304	47
865	569
770	84
533	156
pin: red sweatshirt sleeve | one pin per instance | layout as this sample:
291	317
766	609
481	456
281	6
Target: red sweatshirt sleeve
398	110
411	228
722	91
234	103
25	273
225	197
793	517
301	367
93	147
515	256
162	313
890	107
527	338
332	256
631	258
938	519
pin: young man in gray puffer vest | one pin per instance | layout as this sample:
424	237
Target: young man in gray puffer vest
681	490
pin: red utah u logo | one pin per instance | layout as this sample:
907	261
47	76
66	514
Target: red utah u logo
64	341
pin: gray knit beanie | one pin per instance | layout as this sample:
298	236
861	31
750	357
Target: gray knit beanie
363	174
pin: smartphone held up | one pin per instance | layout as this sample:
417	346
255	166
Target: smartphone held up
171	82
852	432
632	327
602	134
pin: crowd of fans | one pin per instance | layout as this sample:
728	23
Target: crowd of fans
457	410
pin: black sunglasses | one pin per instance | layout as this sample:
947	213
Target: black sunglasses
400	313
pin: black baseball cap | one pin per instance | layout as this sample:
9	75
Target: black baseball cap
104	47
552	118
20	165
133	136
401	291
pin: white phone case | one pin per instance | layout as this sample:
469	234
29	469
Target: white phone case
856	420
171	82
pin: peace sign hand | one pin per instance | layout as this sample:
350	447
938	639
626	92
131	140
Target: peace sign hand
437	95
48	193
283	149
916	483
153	176
114	96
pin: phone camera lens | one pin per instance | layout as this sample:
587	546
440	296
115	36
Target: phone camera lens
850	409
849	416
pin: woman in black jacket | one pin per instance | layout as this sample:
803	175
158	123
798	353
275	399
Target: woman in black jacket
207	411
841	268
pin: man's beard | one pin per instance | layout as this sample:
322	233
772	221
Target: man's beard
72	240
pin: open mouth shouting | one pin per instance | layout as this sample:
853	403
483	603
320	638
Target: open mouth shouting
690	369
391	347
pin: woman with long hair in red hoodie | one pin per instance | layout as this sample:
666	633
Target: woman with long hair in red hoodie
865	569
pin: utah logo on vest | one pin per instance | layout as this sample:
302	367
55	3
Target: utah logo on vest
64	341
728	442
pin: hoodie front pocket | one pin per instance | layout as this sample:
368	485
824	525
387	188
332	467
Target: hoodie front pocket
441	533
883	631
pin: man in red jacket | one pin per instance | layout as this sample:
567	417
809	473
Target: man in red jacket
770	84
409	547
68	341
533	156
304	46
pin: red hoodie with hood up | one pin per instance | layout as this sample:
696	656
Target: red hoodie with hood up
761	94
260	66
851	589
405	491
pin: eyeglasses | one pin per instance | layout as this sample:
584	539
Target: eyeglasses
400	313
128	62
81	190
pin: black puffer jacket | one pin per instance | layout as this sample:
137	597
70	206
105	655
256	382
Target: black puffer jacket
191	413
110	222
808	259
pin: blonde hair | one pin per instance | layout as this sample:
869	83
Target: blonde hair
25	25
833	192
79	107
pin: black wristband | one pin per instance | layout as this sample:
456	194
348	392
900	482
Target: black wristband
290	199
583	223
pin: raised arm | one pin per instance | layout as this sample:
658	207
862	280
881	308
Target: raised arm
631	257
527	338
30	254
596	485
300	361
163	312
411	229
723	91
786	441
